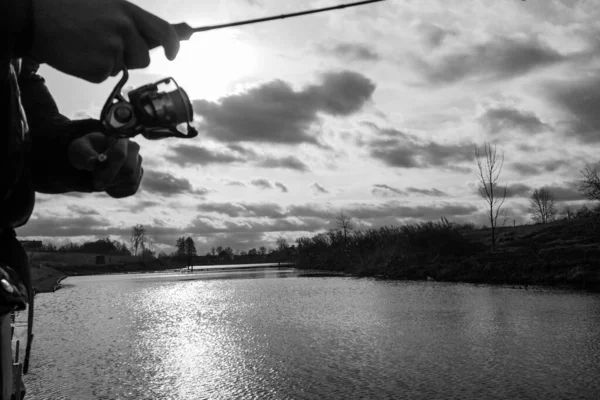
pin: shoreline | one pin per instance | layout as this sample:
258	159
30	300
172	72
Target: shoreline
48	280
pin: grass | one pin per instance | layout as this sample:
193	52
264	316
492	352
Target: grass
558	253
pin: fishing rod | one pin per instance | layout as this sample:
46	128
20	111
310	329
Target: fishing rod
184	31
155	114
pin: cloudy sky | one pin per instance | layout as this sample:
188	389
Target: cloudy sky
374	111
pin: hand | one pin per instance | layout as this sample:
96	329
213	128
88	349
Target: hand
95	39
120	174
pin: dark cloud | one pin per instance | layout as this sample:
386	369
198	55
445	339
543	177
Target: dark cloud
427	192
580	99
382	190
275	113
516	190
81	210
270	210
566	192
187	154
281	187
540	168
261	183
500	58
388	191
235	183
165	184
318	189
405	152
561	192
289	162
351	51
503	119
400	211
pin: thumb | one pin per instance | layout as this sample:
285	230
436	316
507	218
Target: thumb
82	155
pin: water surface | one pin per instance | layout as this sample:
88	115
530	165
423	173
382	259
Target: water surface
274	334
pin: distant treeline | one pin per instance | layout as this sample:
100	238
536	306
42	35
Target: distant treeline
101	246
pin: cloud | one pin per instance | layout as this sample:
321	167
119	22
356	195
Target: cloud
433	36
566	191
426	192
165	184
578	98
281	187
382	190
69	226
402	151
388	191
82	210
317	189
187	154
351	51
261	183
540	168
289	162
503	119
516	190
258	210
275	113
499	58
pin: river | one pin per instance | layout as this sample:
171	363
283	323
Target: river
286	334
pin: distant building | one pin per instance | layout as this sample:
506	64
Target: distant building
31	245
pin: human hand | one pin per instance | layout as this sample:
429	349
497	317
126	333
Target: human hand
120	174
95	39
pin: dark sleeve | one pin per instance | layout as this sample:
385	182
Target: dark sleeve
16	24
51	133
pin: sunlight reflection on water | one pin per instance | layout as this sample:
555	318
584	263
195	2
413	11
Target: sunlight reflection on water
276	335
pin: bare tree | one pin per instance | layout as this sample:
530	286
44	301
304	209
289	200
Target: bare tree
282	244
344	224
138	239
542	206
567	213
488	174
590	184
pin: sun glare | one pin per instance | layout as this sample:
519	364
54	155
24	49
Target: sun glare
208	65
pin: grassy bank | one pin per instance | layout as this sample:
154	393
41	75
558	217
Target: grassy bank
560	253
46	278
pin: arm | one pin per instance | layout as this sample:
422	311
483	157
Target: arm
51	134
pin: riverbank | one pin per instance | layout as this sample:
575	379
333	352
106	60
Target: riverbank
565	253
45	279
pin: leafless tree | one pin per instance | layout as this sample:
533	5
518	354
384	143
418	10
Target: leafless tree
589	185
542	206
282	244
489	166
344	224
138	239
567	213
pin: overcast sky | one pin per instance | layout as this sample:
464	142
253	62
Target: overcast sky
374	111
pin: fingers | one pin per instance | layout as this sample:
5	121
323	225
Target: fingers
129	178
155	31
137	53
82	154
107	171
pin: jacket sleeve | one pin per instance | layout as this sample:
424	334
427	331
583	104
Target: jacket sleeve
51	133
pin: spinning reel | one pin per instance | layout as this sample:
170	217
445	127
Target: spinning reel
152	113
